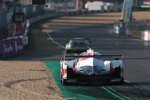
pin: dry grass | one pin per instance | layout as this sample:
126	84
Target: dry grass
40	41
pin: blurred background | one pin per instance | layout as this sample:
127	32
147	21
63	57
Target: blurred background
59	6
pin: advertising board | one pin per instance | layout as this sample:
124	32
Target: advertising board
18	17
12	46
8	47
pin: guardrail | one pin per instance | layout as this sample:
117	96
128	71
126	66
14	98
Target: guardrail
15	45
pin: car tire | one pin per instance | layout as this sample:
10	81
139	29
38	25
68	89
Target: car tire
64	81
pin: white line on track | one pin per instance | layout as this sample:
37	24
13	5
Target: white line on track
54	40
139	87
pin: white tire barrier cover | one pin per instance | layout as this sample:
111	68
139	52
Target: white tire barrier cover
145	35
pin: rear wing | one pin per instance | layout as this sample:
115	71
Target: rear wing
102	57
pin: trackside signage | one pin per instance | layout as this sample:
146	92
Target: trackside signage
12	46
18	45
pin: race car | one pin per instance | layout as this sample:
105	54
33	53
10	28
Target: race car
91	67
77	45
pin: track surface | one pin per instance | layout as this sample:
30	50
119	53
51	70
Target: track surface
136	54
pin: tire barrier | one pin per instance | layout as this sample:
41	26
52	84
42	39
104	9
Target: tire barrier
11	46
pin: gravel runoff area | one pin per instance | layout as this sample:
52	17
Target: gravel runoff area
26	80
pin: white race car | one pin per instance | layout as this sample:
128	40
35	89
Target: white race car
91	66
77	45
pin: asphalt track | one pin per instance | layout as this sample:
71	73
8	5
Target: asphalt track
136	53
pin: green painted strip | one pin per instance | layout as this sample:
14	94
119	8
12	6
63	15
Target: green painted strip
77	92
123	96
115	93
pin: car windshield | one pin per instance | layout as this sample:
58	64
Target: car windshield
78	42
95	53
